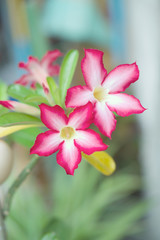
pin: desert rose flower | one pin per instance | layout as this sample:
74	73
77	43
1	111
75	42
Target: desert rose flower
69	135
38	71
20	107
104	91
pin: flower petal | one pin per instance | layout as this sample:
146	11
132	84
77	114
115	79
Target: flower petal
53	70
36	71
104	119
81	117
24	79
49	58
78	96
20	107
46	143
53	117
121	77
92	68
7	104
30	64
89	141
124	104
69	157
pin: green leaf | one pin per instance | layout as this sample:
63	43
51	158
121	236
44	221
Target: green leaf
19	92
59	226
54	90
3	96
67	71
5	131
26	137
3	110
3	91
35	98
39	90
50	236
12	118
52	84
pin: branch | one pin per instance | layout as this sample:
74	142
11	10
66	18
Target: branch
3	234
16	184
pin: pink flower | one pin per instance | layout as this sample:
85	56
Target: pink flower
20	107
69	135
104	91
38	71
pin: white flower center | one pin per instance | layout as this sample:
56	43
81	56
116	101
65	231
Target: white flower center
100	93
67	133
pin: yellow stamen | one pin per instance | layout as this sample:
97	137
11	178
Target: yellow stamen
100	94
67	132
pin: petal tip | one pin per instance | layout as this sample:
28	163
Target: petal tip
136	69
21	65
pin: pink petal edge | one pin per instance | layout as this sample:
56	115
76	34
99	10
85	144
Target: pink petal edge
104	119
81	117
69	157
89	141
92	68
51	56
53	117
124	104
46	143
78	96
121	77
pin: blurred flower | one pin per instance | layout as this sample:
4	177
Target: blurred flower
69	135
20	107
104	91
38	71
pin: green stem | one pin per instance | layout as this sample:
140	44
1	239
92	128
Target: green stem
16	184
3	234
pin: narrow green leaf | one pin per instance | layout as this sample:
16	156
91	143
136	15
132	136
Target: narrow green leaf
67	71
52	84
54	90
17	118
50	236
19	92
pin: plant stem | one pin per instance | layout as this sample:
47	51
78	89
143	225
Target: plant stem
16	184
3	234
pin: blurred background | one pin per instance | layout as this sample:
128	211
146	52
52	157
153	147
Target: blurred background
90	206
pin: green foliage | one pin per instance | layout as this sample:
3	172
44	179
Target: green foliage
19	92
3	96
12	118
67	71
3	91
26	95
26	137
84	207
50	236
35	98
54	90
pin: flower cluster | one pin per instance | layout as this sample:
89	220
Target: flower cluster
94	102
